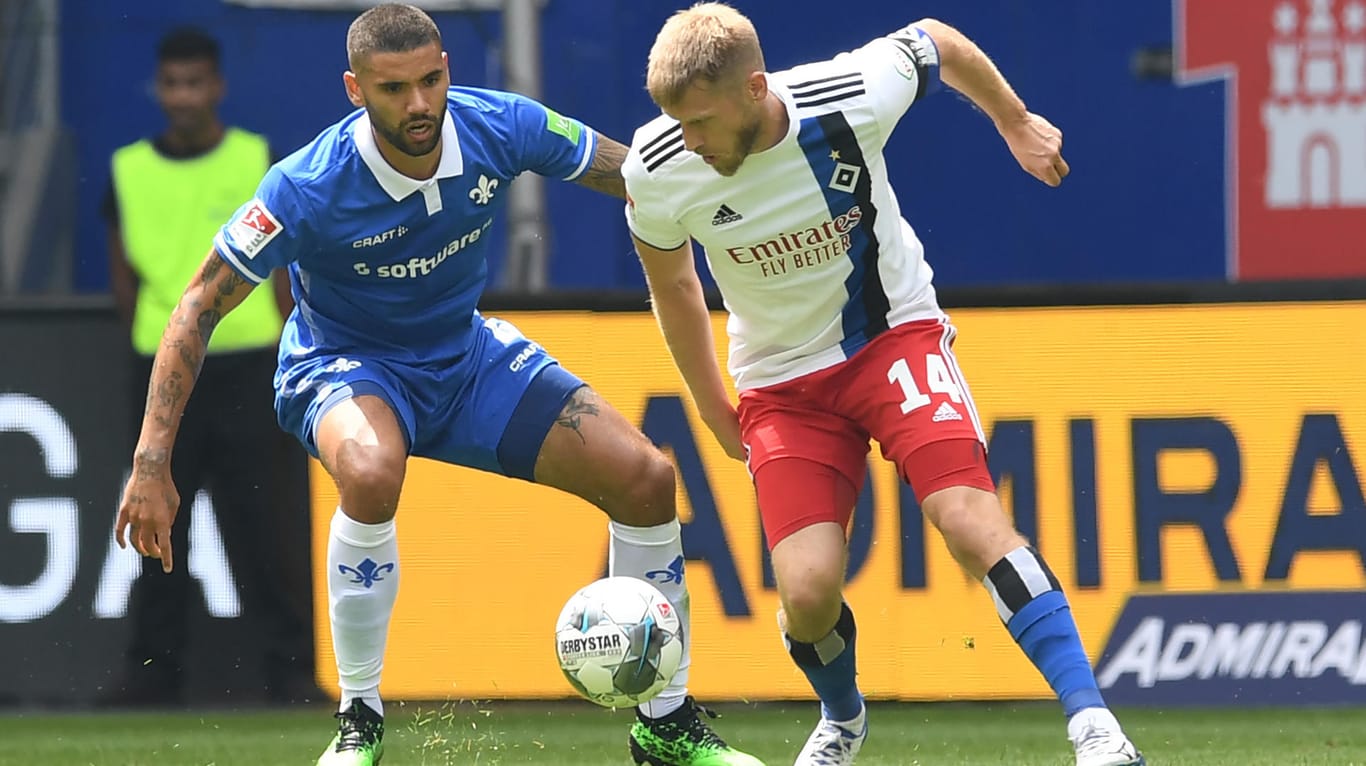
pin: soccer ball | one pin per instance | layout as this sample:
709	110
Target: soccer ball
619	641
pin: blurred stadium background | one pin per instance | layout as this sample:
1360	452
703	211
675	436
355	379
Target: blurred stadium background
1169	352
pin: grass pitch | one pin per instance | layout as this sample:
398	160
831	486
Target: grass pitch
574	734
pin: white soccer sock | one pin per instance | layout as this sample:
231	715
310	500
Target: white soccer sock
655	555
362	584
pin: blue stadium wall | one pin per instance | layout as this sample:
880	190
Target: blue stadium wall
1145	201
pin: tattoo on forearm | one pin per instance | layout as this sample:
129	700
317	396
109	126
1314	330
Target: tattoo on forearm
171	389
604	175
150	461
195	319
578	406
211	268
188	356
228	286
206	321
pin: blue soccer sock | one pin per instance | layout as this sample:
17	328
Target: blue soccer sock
1035	611
829	666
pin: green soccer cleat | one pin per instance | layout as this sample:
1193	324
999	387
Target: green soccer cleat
359	740
683	738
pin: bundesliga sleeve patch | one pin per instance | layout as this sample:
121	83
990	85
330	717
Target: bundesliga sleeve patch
254	229
562	126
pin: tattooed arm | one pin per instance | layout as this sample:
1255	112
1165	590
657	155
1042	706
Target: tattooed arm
604	174
150	501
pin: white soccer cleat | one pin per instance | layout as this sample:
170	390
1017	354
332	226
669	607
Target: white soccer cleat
1099	741
834	743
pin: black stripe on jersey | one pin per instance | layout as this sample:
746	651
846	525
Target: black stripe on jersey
677	149
841	138
676	141
674	137
833	97
677	129
827	89
795	87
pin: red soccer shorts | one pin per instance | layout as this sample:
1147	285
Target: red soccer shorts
903	389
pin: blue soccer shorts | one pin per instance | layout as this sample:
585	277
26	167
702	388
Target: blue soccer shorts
491	409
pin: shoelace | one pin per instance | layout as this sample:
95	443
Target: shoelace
356	732
834	750
700	732
1094	741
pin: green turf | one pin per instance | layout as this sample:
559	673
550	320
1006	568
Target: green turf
578	735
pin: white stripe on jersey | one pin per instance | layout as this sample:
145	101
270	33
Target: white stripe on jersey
588	152
806	240
226	252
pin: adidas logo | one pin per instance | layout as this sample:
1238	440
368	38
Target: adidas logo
946	412
725	215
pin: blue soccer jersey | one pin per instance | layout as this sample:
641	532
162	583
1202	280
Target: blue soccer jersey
387	270
383	264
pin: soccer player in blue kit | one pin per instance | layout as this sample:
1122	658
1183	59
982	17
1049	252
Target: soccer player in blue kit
382	222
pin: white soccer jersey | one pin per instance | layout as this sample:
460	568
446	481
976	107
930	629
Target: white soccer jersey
806	241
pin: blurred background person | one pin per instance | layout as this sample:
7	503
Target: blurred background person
167	198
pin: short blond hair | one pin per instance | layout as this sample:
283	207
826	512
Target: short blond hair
709	41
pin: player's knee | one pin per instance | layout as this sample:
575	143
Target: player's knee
370	481
813	595
957	512
646	498
811	605
974	526
812	587
949	514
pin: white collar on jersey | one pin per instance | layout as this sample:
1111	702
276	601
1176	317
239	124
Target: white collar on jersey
395	183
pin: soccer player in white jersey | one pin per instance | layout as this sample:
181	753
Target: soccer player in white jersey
381	222
835	332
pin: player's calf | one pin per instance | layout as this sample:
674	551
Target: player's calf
1028	598
829	665
818	627
1031	603
646	542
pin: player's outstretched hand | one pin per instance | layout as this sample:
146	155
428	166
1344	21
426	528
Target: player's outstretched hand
725	426
1037	146
149	505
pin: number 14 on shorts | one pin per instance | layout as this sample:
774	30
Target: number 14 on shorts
937	377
